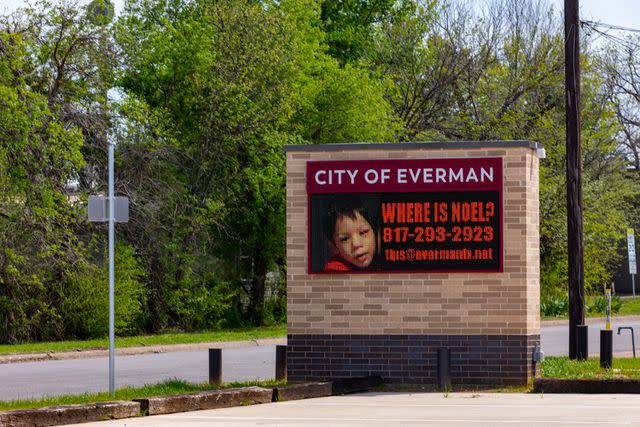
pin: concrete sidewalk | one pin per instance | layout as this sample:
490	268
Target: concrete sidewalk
419	409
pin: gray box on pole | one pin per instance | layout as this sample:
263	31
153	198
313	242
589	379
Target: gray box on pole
98	209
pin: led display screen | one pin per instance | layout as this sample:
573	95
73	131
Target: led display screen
418	215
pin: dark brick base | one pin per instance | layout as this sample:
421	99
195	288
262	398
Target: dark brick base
411	359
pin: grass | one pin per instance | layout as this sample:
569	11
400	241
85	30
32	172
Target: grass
165	388
563	367
630	307
147	340
552	367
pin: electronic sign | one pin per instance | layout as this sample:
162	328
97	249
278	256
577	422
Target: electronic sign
407	215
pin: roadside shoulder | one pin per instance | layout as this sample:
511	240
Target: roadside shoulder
129	351
590	320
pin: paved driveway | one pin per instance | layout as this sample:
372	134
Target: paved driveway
416	409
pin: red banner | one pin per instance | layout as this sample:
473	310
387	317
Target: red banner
404	175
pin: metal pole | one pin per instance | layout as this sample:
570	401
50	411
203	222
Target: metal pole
582	342
215	366
574	173
633	340
111	202
281	362
633	284
606	348
444	369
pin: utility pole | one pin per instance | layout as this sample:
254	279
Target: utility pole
577	329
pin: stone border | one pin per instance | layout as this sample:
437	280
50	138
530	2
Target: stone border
302	391
556	385
75	414
205	400
69	414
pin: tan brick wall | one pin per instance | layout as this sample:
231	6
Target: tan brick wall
504	303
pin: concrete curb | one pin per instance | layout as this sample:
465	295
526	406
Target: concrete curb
205	400
355	385
555	385
301	391
69	414
76	414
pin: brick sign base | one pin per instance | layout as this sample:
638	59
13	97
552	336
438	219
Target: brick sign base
411	359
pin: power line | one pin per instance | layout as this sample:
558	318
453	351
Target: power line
618	40
615	40
594	24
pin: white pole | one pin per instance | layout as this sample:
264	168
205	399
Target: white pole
607	325
111	204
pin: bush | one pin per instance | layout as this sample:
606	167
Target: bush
554	307
598	305
275	308
85	306
203	305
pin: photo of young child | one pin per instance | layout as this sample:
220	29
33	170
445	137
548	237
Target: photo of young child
350	232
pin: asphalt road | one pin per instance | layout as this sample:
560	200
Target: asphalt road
415	409
554	340
37	379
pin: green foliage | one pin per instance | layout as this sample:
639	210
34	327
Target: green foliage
495	73
276	303
85	306
350	24
245	334
205	306
630	306
37	155
345	105
235	81
595	306
598	305
207	95
554	307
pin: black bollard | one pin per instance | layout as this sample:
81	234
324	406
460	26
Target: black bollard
281	362
606	348
444	369
582	342
215	366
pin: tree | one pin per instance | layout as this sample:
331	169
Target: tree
350	24
231	82
621	67
38	153
495	73
60	58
